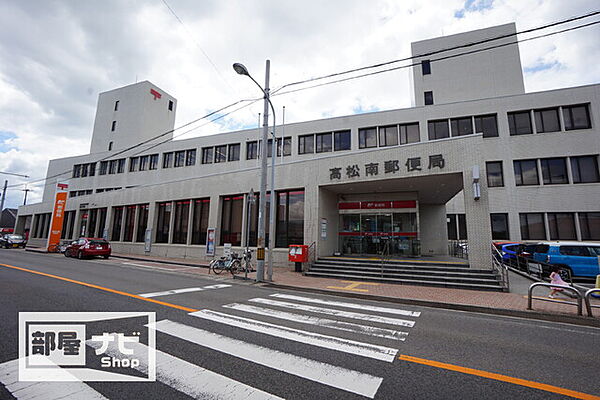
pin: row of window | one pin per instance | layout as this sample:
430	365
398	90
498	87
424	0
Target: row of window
390	135
83	170
561	226
584	169
547	120
441	129
324	142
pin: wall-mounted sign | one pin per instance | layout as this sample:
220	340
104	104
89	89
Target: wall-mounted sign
156	94
210	242
324	228
376	205
389	167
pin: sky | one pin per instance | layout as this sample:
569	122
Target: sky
57	56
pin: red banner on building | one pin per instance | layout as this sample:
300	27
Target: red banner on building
377	205
58	214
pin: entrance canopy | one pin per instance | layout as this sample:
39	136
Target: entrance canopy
430	189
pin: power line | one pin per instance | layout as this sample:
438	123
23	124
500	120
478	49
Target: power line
470	44
433	60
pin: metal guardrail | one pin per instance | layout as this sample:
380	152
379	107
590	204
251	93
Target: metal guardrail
500	268
458	248
553	285
588	304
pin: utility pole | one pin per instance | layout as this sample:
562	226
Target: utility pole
6	185
25	199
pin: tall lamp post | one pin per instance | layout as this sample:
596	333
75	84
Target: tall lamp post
262	209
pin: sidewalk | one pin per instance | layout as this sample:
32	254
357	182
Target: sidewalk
513	304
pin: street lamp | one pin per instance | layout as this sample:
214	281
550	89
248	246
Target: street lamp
260	241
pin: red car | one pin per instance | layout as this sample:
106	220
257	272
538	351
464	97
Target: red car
88	247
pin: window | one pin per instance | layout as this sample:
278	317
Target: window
253	230
461	126
487	125
101	222
153	161
251	150
306	144
142	222
409	133
562	226
290	218
117	105
589	224
103	167
367	137
526	172
576	117
84	170
324	142
129	223
426	67
179	159
462	226
554	171
117	223
546	120
499	226
341	140
438	129
532	226
76	170
585	169
112	167
92	169
180	226
207	155
163	222
519	123
495	176
113	126
233	152
287	146
120	165
200	220
452	231
388	135
144	163
231	220
110	145
190	157
269	147
220	154
579	251
428	98
134	164
167	160
170	105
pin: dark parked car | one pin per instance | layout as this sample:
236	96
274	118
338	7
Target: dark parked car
88	247
12	240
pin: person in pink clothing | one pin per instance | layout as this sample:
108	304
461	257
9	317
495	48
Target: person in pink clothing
557	280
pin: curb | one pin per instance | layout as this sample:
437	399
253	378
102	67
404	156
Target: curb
569	319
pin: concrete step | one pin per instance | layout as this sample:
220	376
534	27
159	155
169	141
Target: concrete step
410	281
402	272
377	267
392	261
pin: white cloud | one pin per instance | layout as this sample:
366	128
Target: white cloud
58	55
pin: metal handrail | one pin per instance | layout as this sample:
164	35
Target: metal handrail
500	268
588	304
385	255
312	246
553	285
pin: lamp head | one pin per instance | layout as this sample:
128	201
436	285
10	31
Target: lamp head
240	69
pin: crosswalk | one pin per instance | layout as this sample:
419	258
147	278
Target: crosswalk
288	319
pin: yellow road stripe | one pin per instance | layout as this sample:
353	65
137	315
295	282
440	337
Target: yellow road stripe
499	377
135	296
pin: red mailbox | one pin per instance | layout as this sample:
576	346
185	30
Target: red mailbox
298	253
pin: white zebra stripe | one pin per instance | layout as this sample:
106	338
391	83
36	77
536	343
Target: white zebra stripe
21	390
349	305
315	339
338	377
188	378
337	313
324	322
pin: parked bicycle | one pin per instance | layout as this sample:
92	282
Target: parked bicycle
244	264
225	263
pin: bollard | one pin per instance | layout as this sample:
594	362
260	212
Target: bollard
597	287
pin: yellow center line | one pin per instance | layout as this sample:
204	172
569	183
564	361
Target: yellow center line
499	377
135	296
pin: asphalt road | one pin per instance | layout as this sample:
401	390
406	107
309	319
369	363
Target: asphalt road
231	339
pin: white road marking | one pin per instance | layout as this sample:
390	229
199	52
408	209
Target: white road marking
188	378
327	374
349	305
315	339
337	313
184	290
9	377
324	322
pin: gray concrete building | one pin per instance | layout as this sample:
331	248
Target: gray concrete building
477	159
